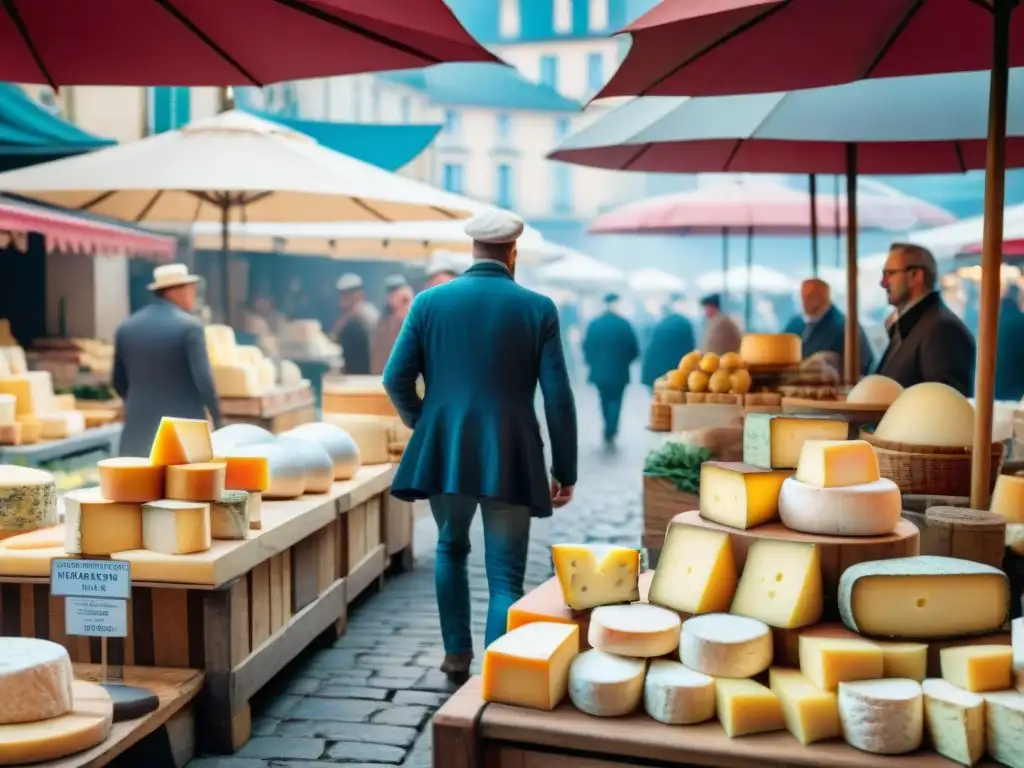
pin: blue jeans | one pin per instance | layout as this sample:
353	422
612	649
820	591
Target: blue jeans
506	541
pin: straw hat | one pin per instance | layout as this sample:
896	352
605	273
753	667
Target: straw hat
171	276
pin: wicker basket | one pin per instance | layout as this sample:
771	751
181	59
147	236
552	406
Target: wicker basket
661	417
928	469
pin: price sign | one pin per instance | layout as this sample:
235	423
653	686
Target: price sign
90	578
95	617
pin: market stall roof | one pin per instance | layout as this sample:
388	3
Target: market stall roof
654	280
762	279
578	269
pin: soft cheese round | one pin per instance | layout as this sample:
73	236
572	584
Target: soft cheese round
884	717
36	680
724	645
226	439
287	470
931	413
338	444
675	695
604	685
875	390
638	630
870	509
319	468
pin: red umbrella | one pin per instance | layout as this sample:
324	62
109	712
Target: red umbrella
223	42
1014	248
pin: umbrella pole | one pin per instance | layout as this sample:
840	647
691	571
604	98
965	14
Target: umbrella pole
991	257
225	247
725	264
812	185
748	312
839	230
851	345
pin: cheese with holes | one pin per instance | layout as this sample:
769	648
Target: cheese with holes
873	509
604	685
638	630
883	717
1004	727
174	527
245	473
909	660
675	695
237	380
130	479
722	645
318	469
60	425
255	509
94	526
181	441
287	471
739	495
875	390
7	409
955	721
229	516
33	391
28	500
370	433
593	575
529	666
781	584
837	463
36	679
338	444
745	707
233	436
923	597
196	482
1008	498
978	668
771	349
929	414
828	661
43	538
810	713
774	441
1017	643
696	572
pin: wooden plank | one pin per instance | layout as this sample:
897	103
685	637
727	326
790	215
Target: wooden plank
170	628
276	593
286	585
238	624
142	626
454	727
304	574
374	533
356	522
226	619
326	557
27	608
57	633
366	572
259	604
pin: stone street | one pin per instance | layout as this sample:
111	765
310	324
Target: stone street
367	701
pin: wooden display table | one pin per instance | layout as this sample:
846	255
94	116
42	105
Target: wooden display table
240	611
276	412
469	733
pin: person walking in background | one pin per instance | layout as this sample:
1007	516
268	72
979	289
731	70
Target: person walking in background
1010	346
482	344
161	367
721	333
671	338
399	300
356	324
609	349
438	274
823	327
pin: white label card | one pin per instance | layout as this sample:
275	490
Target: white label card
95	617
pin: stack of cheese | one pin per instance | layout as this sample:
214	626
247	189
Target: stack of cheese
243	371
36	413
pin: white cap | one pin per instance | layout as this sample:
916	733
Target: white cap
350	282
495	226
171	276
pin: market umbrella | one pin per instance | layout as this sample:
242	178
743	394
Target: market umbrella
581	271
758	278
653	280
228	42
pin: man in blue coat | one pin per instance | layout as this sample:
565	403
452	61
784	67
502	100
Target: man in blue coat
482	344
822	326
609	349
671	339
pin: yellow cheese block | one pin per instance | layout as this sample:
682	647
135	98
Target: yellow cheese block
241	380
181	441
811	714
593	575
10	433
174	527
33	391
98	527
828	661
61	425
745	707
781	584
904	660
774	441
837	463
85	726
739	495
1008	498
696	572
130	479
529	666
31	430
246	473
196	482
978	668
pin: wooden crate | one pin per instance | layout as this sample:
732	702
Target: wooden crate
278	423
662	502
269	405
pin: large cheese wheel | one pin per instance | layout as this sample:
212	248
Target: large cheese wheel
337	442
226	439
317	464
36	678
875	390
638	630
604	685
869	509
723	645
28	500
287	469
929	414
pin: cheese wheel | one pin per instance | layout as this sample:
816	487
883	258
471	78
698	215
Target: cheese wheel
130	479
1008	498
338	444
884	717
370	433
637	630
28	500
317	465
196	482
174	527
287	471
229	516
771	349
955	721
723	645
236	435
36	678
245	473
929	414
875	390
871	509
675	695
181	441
98	527
604	685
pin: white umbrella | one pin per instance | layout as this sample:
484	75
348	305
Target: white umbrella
577	269
652	280
762	279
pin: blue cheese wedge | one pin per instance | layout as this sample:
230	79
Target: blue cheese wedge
28	500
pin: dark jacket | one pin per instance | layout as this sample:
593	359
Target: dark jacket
827	335
930	343
482	344
161	368
355	336
610	347
1010	352
671	338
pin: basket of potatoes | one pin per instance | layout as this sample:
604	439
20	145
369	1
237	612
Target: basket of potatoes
721	375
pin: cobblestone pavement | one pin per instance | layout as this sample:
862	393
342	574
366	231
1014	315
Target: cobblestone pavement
366	702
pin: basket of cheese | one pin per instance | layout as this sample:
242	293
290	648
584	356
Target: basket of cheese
924	441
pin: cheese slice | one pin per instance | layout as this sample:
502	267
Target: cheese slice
1017	644
837	463
604	685
923	597
8	409
978	668
593	575
907	660
873	509
884	717
196	482
723	645
51	537
245	473
370	434
739	495
745	707
1004	727
781	584
638	630
828	661
181	441
97	527
130	479
775	441
675	695
174	527
36	679
696	571
529	666
338	444
61	425
1008	498
254	507
955	720
811	714
229	516
28	500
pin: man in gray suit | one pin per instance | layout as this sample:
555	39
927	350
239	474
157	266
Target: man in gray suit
160	363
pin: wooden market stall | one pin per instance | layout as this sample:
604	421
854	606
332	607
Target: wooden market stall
278	411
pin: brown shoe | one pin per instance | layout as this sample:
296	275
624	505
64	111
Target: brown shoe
456	666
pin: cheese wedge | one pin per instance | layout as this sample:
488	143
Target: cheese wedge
1008	498
130	480
811	714
745	707
781	584
529	666
955	721
675	695
1004	727
174	527
837	463
593	575
907	660
196	482
98	527
978	668
739	495
696	571
181	441
775	441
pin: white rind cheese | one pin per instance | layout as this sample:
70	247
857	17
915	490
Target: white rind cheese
675	695
956	721
871	509
1017	643
604	685
287	470
174	527
723	645
28	500
36	680
1004	727
883	717
638	630
318	468
338	444
226	439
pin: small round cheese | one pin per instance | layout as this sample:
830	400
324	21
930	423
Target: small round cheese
724	645
638	630
130	479
771	349
929	414
884	717
317	464
36	679
875	390
675	695
604	685
870	509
